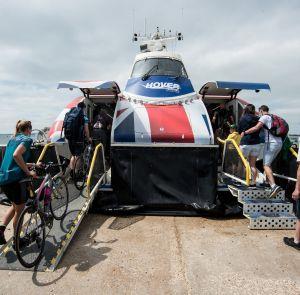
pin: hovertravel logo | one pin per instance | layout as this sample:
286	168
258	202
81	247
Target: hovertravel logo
163	85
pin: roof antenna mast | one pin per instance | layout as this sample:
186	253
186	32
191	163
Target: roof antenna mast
145	27
133	20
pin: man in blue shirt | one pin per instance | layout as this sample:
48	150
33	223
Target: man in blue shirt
76	145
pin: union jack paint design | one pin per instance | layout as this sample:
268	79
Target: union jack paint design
55	130
161	110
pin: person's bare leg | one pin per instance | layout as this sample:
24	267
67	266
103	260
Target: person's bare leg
72	162
252	163
297	232
18	210
8	216
269	174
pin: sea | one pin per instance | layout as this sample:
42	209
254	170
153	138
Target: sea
4	138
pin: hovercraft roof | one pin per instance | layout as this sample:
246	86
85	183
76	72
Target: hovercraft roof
158	54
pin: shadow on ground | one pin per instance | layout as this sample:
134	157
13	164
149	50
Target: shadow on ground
83	252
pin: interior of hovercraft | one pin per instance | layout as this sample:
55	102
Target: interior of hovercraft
100	108
224	101
223	95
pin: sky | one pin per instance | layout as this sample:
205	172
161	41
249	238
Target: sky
44	42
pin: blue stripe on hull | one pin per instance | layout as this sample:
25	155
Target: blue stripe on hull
160	86
125	131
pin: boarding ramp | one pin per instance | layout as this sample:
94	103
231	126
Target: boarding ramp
262	212
62	232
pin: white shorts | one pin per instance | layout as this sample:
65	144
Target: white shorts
271	150
251	150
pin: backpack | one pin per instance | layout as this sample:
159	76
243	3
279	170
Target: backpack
73	124
279	127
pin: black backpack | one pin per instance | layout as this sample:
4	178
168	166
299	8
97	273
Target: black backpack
74	124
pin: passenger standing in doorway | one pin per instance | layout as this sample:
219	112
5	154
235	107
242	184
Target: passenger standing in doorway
13	169
102	128
250	143
222	119
272	146
234	135
295	242
76	128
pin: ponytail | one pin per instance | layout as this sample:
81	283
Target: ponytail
22	126
17	127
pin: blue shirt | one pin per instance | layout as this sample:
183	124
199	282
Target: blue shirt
248	121
10	171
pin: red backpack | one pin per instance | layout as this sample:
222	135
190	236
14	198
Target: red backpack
279	127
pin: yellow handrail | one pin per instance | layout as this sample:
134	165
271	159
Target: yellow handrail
88	183
221	140
293	152
44	151
245	162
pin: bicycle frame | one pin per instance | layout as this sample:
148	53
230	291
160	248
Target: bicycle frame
46	181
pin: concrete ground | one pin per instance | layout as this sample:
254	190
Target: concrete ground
166	255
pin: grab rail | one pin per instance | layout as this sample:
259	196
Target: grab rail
44	151
91	191
221	140
245	163
293	152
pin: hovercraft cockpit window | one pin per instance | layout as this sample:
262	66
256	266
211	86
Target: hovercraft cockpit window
158	67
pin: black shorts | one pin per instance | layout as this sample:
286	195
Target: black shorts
16	192
298	209
76	148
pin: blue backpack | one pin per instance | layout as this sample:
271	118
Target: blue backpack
74	124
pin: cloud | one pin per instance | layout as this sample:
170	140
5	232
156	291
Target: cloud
43	42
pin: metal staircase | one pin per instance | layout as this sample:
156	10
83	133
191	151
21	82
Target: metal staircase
263	212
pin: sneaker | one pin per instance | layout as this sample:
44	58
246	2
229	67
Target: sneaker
290	242
263	185
274	191
2	237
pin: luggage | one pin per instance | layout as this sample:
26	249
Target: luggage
279	128
73	124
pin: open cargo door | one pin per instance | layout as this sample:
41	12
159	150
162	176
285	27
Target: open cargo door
230	89
234	165
96	91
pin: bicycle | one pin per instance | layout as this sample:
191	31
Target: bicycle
82	166
50	201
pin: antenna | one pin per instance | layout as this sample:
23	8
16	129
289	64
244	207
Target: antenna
133	20
158	41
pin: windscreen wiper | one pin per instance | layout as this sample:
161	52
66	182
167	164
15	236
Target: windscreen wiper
146	75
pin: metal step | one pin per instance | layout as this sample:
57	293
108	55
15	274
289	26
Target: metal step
267	206
271	221
245	193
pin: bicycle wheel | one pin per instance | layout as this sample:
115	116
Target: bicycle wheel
59	198
80	172
30	237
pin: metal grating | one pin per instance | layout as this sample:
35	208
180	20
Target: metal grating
267	206
272	221
253	194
